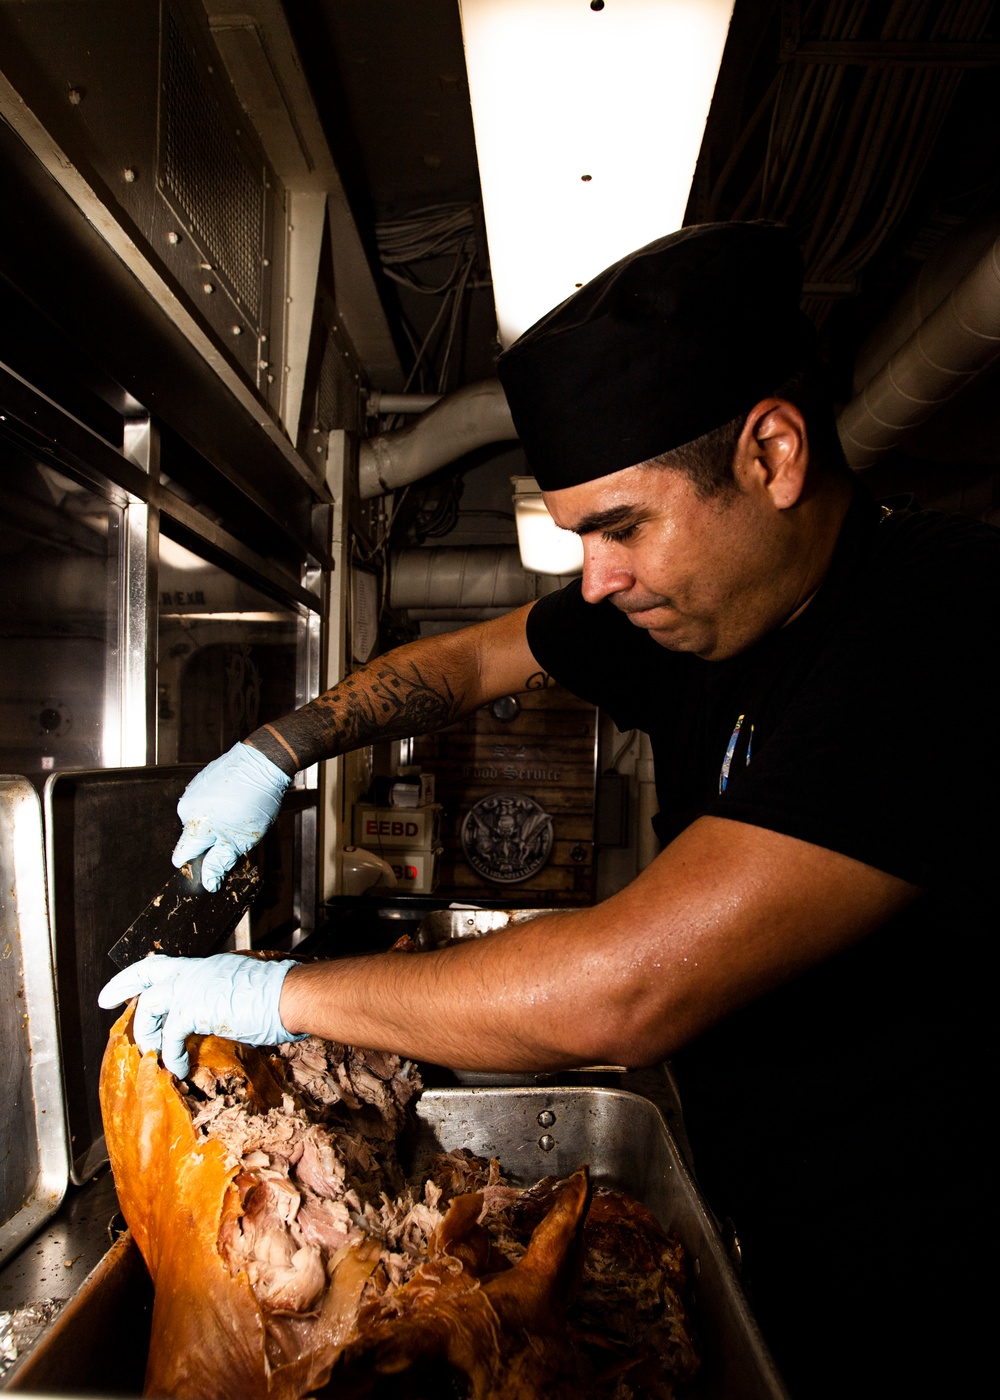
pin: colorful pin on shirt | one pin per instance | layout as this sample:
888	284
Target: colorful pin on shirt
730	750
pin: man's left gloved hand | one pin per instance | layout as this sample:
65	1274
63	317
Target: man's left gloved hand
226	809
227	994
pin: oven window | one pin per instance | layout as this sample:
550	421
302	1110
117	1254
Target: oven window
59	548
227	657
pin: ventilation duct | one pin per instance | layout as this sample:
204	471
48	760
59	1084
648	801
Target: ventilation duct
910	378
458	423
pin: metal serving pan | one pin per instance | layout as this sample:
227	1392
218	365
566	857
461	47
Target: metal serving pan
627	1145
97	1343
34	1162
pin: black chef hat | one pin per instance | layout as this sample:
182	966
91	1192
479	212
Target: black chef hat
672	341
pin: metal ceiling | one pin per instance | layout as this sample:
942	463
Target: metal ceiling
871	126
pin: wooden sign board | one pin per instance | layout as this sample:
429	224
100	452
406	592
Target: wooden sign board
548	753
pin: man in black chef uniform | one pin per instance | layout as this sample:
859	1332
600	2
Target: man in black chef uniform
808	947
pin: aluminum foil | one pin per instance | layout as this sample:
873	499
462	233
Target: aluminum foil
20	1329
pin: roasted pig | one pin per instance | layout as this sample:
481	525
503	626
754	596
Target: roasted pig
291	1257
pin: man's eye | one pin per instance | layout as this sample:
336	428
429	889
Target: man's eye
619	536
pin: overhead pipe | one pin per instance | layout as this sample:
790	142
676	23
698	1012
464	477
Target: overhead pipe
464	584
379	401
471	417
955	344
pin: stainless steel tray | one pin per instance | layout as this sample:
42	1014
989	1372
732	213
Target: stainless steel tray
34	1162
441	927
109	834
626	1143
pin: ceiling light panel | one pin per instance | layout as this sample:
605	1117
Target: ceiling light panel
588	122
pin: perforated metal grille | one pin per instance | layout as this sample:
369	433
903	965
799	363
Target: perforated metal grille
205	172
336	392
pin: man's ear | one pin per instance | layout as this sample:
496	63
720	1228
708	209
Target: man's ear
773	451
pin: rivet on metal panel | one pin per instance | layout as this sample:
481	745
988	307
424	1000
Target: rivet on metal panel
129	176
265	262
207	287
546	1118
74	97
546	1142
265	364
237	330
173	237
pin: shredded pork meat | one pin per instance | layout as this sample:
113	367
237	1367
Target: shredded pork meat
318	1173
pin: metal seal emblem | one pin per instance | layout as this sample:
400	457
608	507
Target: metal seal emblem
507	837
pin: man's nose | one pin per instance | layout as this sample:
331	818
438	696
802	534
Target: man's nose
604	572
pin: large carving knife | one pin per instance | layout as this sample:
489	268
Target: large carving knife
184	919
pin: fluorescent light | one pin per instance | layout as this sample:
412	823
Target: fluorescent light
543	546
175	556
561	91
282	617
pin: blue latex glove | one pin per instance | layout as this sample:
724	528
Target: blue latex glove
227	994
226	809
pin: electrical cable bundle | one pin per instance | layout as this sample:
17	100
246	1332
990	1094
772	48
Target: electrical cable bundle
848	144
439	231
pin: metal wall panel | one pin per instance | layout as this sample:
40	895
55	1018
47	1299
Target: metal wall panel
33	1161
135	96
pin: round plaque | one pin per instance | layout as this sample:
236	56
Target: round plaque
507	837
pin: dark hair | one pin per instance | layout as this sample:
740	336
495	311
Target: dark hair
708	460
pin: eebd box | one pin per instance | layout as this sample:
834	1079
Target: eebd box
381	829
415	871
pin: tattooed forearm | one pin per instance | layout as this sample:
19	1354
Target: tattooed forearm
384	700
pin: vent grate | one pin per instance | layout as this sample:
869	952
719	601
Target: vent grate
337	393
206	174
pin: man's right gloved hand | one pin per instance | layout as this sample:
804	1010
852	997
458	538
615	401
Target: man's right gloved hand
227	994
226	809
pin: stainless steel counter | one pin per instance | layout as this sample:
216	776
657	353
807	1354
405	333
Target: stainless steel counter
86	1264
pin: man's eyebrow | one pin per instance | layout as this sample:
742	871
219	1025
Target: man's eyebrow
603	519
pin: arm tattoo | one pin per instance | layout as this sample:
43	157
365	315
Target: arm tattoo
384	700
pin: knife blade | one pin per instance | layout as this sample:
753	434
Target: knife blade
184	919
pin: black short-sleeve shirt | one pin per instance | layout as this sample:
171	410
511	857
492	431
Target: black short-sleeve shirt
865	726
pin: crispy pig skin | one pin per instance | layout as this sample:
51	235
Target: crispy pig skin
175	1190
